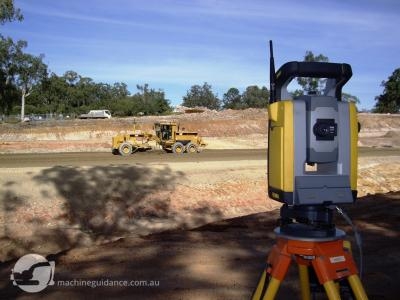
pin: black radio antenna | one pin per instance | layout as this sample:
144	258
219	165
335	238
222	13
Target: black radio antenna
272	76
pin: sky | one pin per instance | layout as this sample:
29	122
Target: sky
172	45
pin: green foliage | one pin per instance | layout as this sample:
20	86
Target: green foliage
312	85
255	97
297	93
232	99
30	71
18	71
150	101
72	93
389	101
54	93
9	53
201	96
8	12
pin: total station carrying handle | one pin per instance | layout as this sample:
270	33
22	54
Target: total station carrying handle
336	73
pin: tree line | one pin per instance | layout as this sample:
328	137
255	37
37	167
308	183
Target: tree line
253	96
28	87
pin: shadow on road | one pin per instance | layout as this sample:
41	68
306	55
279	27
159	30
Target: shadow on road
92	205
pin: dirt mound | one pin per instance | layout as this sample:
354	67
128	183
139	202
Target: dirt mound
226	129
379	122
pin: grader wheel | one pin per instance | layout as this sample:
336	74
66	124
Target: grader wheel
125	149
178	148
191	148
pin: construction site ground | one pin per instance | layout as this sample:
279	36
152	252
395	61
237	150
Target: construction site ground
201	225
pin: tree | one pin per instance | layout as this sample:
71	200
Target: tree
83	91
312	85
8	12
232	99
30	71
297	93
201	96
52	94
72	93
389	101
71	77
151	101
9	51
119	90
255	97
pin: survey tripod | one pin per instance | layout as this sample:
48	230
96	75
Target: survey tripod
318	248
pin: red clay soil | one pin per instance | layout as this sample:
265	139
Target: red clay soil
220	260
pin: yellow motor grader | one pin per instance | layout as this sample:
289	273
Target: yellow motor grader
167	134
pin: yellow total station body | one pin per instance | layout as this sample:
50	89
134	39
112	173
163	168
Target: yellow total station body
312	142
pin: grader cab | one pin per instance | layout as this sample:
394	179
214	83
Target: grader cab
172	138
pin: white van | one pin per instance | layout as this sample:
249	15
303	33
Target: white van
96	114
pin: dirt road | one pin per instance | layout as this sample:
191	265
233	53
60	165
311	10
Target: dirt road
107	159
145	216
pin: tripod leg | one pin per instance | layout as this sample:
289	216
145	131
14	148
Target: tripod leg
304	282
261	287
331	290
278	263
357	287
266	289
272	289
